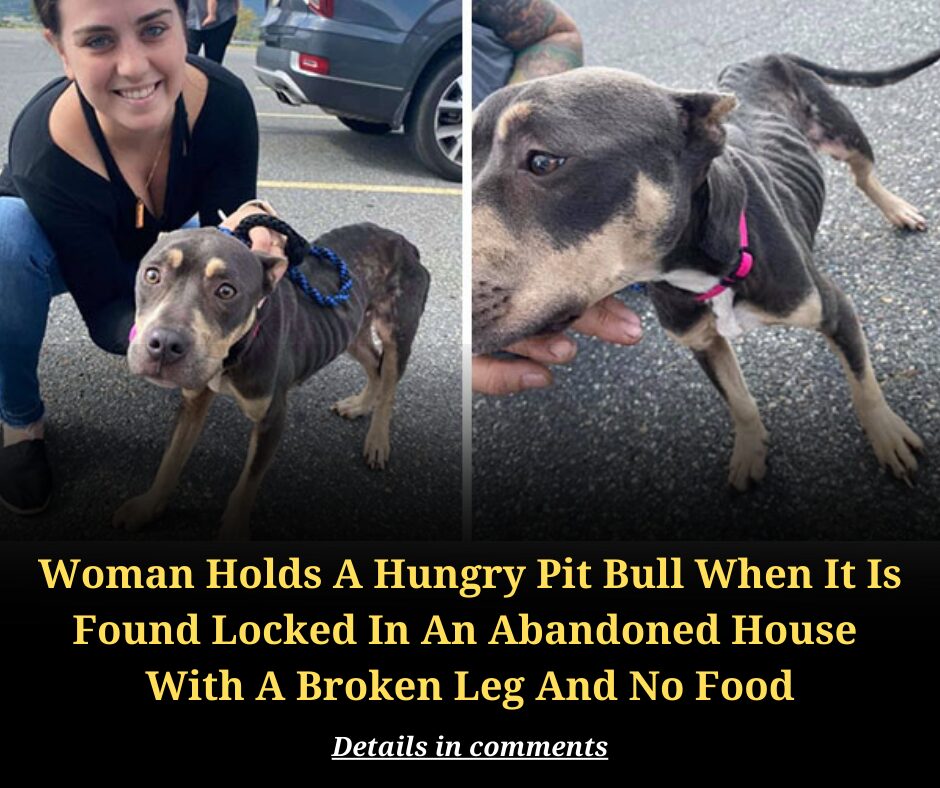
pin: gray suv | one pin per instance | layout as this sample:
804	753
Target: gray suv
376	64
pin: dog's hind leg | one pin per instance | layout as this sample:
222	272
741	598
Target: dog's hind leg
717	358
893	441
414	281
897	210
364	351
377	446
145	508
396	323
832	129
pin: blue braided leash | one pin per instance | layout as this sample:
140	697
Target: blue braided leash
345	278
297	249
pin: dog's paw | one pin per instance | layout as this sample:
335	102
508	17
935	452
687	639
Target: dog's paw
376	450
352	407
749	458
894	443
137	512
904	215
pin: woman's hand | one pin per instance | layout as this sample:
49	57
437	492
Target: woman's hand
608	319
263	240
212	13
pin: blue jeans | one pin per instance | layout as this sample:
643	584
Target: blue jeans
29	280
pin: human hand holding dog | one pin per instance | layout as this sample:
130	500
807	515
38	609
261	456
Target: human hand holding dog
263	240
608	319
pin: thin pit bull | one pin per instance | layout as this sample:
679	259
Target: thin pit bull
591	180
214	317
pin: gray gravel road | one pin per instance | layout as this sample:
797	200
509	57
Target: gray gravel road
107	430
635	443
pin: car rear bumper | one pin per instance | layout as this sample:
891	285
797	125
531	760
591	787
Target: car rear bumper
279	69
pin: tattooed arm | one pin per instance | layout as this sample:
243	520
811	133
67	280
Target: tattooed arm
544	37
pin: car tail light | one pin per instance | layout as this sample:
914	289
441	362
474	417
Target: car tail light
314	64
321	7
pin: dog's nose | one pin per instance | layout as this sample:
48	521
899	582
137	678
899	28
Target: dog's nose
166	345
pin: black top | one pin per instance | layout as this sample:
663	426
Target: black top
90	220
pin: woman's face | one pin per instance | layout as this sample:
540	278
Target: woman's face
127	56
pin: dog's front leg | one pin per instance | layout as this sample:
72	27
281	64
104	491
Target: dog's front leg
265	437
717	358
146	508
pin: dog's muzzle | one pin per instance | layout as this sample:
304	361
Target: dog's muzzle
165	346
166	356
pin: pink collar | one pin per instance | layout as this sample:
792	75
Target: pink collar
747	261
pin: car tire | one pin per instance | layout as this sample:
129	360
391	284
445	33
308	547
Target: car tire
437	107
365	126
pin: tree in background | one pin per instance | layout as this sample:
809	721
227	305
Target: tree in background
246	29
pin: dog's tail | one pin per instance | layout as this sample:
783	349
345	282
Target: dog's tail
867	79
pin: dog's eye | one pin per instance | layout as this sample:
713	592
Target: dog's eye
152	276
225	292
544	163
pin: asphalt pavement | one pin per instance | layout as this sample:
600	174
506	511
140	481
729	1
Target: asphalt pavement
635	443
107	430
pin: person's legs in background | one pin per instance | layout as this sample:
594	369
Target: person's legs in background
194	40
217	39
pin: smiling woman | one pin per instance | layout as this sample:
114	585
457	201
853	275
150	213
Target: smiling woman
134	140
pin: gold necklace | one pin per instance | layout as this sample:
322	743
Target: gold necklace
139	211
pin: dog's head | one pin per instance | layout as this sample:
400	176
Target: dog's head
198	293
581	185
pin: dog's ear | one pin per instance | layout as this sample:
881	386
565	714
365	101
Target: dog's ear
727	194
701	116
274	270
485	118
485	114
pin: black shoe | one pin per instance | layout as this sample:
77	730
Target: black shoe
25	477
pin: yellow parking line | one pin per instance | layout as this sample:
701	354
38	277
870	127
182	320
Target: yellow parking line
293	115
358	187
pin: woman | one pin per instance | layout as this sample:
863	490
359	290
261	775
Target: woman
133	141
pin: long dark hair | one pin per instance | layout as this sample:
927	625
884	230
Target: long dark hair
48	13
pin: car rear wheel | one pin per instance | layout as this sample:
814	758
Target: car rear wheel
364	126
435	119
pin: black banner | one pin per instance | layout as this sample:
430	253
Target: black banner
570	652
